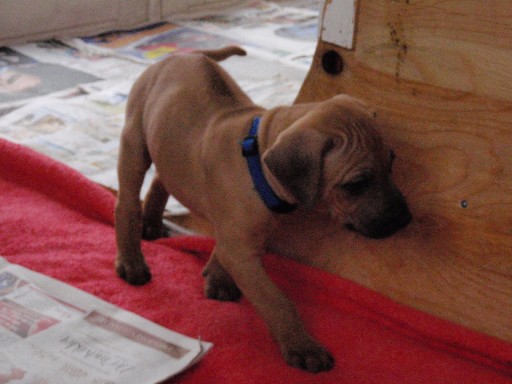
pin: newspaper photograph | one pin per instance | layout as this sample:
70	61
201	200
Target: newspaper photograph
22	78
74	337
153	43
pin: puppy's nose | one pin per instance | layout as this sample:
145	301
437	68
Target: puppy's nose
394	218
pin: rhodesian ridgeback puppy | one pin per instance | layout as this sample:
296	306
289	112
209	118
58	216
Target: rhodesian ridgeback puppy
244	168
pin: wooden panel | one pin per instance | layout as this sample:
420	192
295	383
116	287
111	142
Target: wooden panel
457	44
454	164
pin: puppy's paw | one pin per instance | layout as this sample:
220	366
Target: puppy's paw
222	289
310	357
133	273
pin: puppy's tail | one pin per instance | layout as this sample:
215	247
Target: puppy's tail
224	53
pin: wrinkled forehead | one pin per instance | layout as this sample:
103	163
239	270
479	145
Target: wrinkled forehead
358	148
346	115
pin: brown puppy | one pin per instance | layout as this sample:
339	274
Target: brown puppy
188	117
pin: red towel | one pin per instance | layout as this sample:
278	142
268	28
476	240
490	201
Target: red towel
57	222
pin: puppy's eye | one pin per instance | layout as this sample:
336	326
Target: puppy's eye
357	187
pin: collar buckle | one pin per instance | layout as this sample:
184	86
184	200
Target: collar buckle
250	146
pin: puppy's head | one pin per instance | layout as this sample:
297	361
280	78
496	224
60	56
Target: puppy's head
334	154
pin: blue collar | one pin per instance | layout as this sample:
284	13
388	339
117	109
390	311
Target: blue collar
250	151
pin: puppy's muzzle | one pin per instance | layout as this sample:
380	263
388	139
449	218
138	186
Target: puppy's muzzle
394	218
395	215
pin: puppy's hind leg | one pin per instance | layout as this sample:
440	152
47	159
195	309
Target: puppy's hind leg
153	211
133	163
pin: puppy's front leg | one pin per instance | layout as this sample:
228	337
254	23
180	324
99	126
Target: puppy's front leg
298	348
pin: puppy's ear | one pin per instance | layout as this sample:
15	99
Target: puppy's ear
296	160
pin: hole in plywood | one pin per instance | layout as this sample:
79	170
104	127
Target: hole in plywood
332	62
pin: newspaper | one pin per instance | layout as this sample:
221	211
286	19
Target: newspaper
83	132
82	129
102	66
151	43
74	337
67	98
284	33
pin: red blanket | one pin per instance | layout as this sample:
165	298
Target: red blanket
56	222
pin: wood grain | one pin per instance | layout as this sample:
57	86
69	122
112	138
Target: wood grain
449	121
457	44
